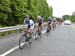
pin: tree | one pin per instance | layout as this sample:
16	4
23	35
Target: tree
19	8
65	17
14	11
5	10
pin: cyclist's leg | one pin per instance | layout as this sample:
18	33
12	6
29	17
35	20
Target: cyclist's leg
40	26
58	23
48	26
53	25
28	31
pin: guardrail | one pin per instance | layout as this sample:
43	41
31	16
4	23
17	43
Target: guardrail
4	29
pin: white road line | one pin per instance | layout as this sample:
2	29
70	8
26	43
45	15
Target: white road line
9	51
13	49
44	31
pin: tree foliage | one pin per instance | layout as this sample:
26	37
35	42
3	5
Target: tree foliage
12	12
69	17
5	10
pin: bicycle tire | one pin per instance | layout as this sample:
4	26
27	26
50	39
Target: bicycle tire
53	26
37	35
23	39
47	30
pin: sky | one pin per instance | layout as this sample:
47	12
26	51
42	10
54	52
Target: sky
62	7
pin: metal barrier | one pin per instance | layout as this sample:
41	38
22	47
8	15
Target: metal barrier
4	29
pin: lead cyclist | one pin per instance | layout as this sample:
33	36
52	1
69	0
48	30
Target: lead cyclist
29	24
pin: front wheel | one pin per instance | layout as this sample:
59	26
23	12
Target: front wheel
53	26
48	29
22	41
37	35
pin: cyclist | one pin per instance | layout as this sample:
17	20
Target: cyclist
40	24
29	24
54	23
59	22
49	22
40	21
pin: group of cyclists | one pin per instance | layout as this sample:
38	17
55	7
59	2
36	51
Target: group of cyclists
29	27
29	23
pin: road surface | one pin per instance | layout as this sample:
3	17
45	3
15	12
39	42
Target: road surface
59	42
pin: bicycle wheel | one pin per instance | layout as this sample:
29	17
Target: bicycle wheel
47	31
53	26
30	40
22	41
37	35
33	34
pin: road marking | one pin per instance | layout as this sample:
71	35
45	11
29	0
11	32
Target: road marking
13	49
9	51
44	31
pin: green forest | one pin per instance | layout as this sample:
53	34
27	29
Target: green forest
12	12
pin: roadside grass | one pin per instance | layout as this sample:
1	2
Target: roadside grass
7	33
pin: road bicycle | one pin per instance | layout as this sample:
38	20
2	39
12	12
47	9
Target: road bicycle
25	38
38	33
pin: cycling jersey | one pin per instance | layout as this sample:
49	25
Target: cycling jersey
32	24
40	20
49	20
29	23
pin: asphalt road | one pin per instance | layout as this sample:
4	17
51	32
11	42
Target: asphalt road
59	42
10	41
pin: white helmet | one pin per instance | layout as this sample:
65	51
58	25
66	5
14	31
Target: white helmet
38	17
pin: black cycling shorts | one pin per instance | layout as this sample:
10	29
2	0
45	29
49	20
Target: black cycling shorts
49	22
39	24
28	26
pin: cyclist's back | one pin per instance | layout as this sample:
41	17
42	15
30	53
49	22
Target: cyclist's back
39	20
32	24
49	24
49	20
27	22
